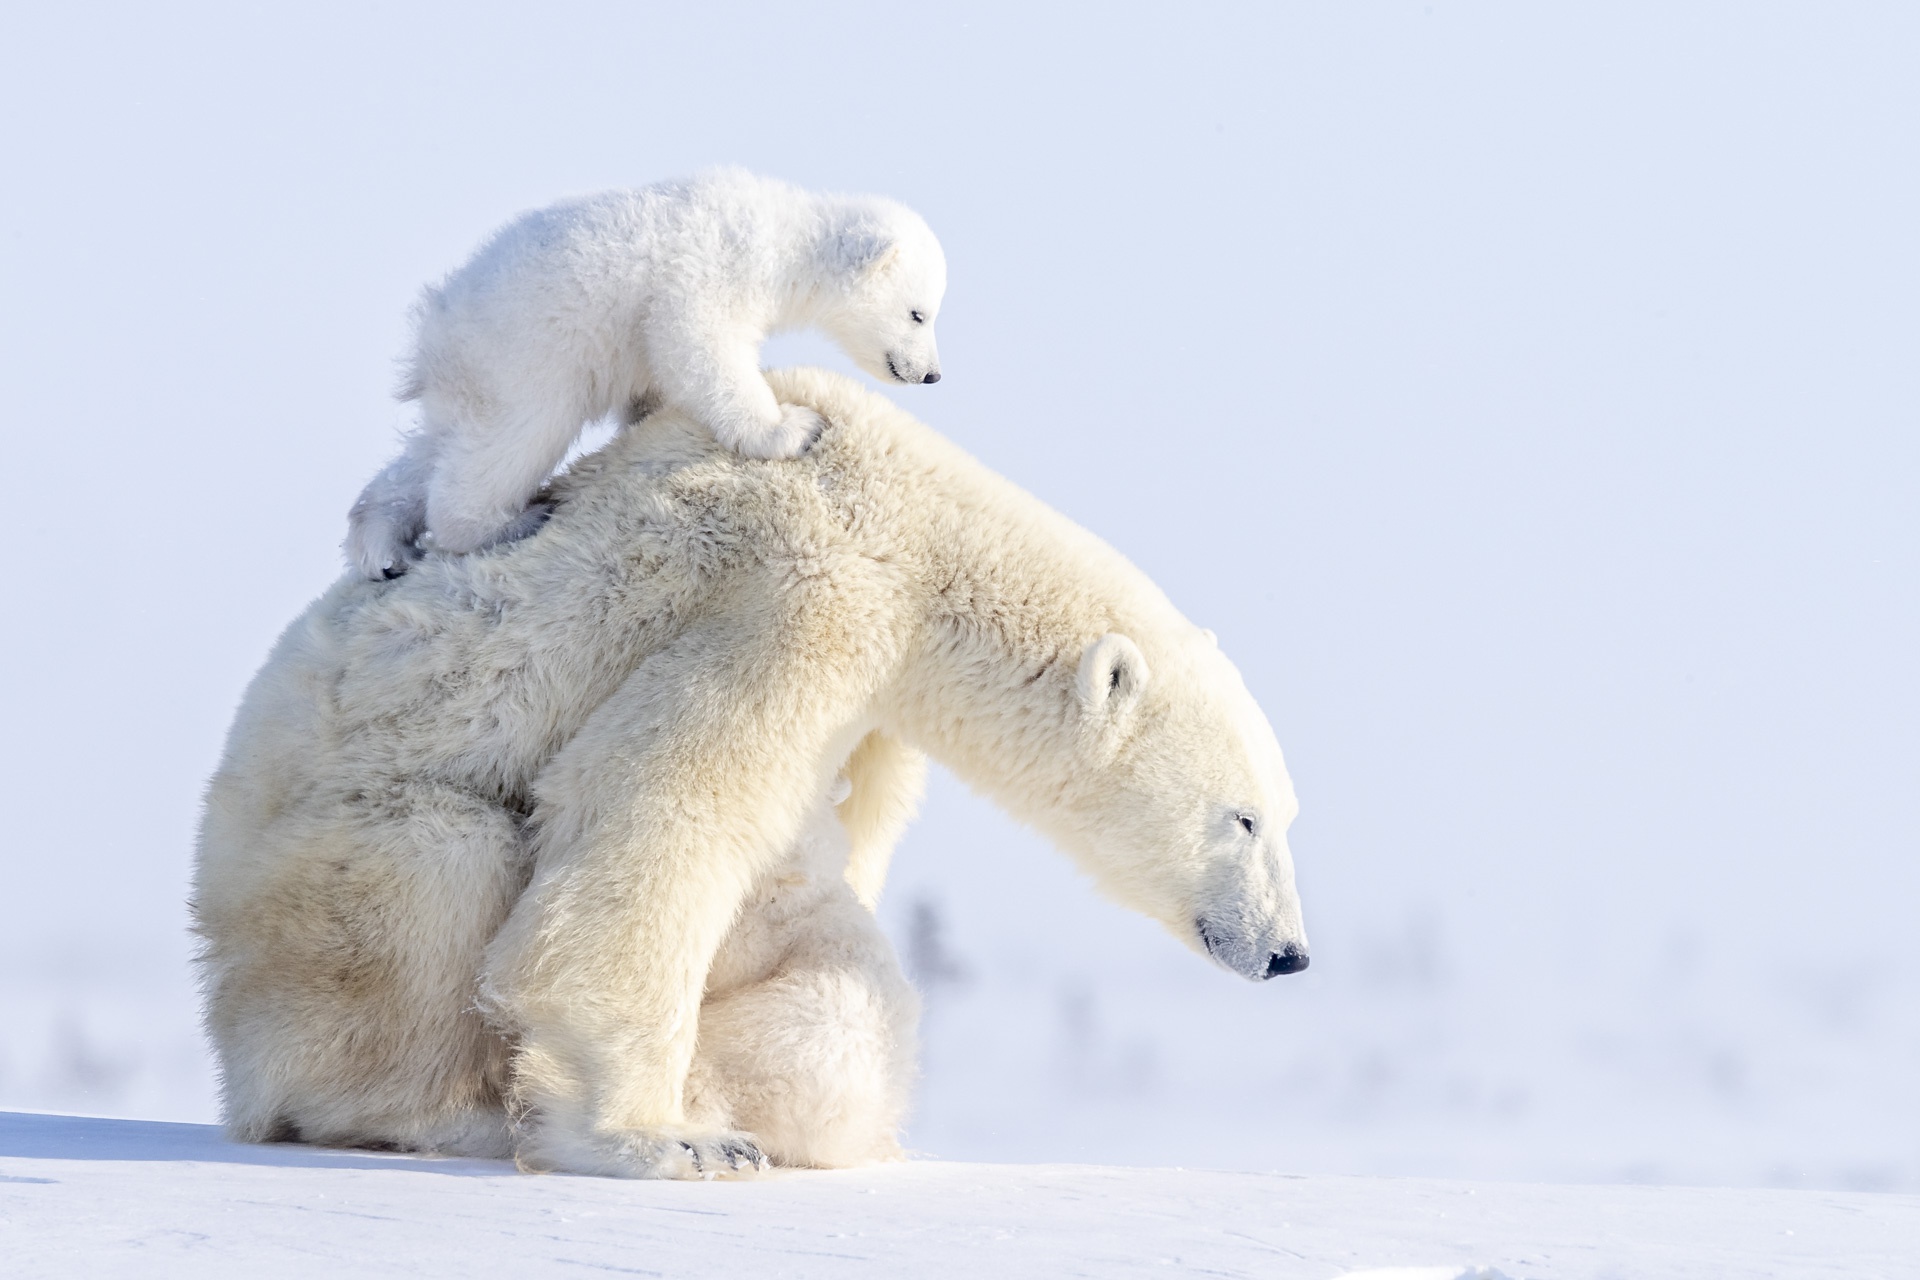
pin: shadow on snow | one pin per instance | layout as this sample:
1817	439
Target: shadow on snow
48	1137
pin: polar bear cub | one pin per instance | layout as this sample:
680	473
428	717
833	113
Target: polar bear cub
621	301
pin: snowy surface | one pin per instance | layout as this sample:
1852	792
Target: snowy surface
105	1198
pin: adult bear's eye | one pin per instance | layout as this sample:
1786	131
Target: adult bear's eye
1248	823
917	317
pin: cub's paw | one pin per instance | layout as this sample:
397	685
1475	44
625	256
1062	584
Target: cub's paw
790	437
666	1151
380	546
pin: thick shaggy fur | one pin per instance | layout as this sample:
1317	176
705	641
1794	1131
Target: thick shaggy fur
611	303
538	849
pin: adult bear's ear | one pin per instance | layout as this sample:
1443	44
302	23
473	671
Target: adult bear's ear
1113	675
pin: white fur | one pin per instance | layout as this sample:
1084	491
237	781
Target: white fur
581	782
613	303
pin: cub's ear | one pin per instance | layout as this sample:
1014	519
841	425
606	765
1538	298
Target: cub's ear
859	251
1113	675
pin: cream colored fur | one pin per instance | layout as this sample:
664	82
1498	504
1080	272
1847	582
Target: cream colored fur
533	850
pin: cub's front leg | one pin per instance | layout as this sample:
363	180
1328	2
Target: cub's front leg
716	374
653	823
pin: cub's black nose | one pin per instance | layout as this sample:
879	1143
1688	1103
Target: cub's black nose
932	377
1290	960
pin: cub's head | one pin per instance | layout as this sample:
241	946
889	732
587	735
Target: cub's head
1172	792
890	276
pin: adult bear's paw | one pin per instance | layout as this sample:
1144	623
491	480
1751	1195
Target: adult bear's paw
668	1151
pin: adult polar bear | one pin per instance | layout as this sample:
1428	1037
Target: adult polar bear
584	781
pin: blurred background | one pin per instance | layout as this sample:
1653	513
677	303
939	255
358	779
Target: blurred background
1527	395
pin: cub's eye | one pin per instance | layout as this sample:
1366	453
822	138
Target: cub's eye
917	317
1248	822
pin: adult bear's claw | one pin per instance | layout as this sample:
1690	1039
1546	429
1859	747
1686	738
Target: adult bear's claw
673	1152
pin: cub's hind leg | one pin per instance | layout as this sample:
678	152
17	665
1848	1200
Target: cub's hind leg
386	521
486	470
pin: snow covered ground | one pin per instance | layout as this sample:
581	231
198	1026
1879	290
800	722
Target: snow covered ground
106	1198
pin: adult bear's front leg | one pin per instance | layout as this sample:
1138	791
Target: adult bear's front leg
651	825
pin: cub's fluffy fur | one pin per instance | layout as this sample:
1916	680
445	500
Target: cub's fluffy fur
538	849
611	303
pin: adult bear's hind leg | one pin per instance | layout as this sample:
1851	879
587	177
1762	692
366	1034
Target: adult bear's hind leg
342	965
816	1060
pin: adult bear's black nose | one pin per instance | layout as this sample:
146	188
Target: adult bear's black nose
1290	959
932	377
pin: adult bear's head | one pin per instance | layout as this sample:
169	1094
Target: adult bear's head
1178	800
1064	685
1141	753
1047	670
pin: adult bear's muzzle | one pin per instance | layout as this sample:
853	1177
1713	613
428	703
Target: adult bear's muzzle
1291	958
1254	962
